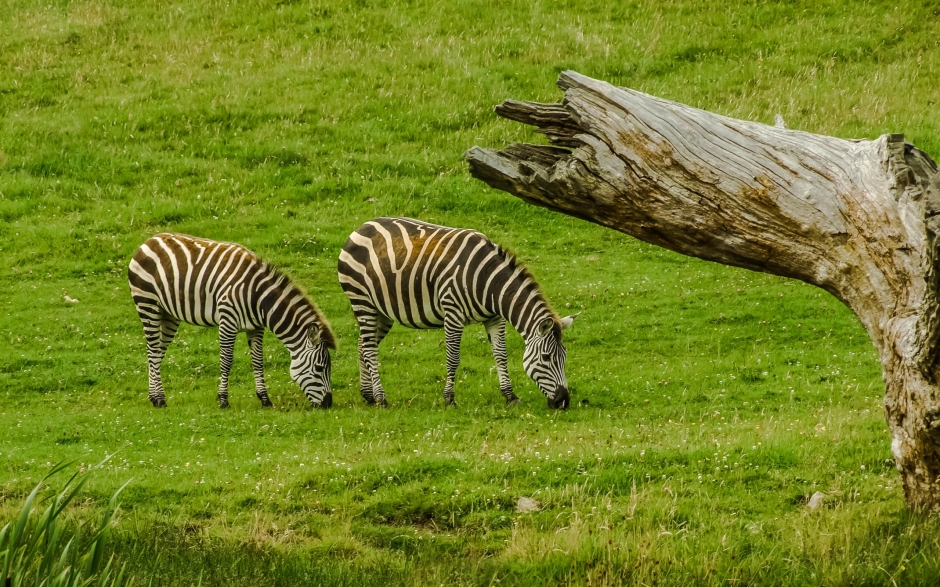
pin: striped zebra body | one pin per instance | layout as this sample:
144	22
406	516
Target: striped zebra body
427	276
177	278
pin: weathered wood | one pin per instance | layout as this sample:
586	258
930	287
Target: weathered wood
857	218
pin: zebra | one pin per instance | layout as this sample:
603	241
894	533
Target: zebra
179	278
425	276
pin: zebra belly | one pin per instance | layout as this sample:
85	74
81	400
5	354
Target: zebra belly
437	325
209	320
428	322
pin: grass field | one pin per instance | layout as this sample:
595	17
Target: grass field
710	402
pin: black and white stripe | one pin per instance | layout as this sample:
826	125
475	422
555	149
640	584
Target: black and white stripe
427	276
177	278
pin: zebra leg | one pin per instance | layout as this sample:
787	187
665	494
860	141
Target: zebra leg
370	353
496	332
227	333
453	331
373	329
365	374
366	329
255	347
159	331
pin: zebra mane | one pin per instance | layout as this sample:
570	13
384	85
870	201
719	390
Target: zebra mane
326	332
515	263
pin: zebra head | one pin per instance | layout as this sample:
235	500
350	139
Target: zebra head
544	360
310	367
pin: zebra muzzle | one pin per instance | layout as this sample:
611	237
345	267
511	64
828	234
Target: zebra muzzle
326	402
561	400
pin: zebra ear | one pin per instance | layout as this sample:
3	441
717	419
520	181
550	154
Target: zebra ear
545	326
314	334
567	321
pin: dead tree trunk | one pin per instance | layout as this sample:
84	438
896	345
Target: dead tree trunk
857	218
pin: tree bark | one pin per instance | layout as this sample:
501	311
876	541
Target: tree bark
857	218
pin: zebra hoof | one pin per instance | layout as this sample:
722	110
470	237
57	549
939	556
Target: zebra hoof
265	404
159	403
513	401
369	401
223	405
380	404
450	404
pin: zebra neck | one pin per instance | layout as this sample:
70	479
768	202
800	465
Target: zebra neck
288	314
524	309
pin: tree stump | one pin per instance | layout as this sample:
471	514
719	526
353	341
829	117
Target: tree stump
857	218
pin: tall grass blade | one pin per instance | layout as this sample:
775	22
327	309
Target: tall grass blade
31	551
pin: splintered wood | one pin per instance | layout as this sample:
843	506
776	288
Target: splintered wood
857	218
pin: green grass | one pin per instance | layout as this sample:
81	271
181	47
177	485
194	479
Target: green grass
717	400
44	549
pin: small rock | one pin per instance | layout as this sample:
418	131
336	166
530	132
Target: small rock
526	505
816	500
69	300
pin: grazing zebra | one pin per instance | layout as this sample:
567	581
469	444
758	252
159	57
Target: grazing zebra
426	276
178	278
